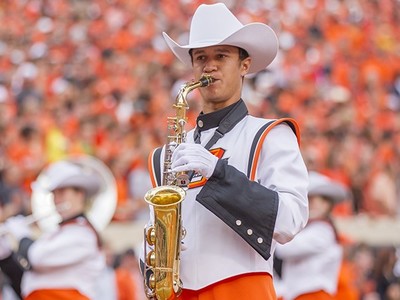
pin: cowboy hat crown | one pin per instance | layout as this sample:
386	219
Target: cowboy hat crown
63	174
214	25
321	185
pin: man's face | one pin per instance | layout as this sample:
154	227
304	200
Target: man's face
224	65
69	201
319	207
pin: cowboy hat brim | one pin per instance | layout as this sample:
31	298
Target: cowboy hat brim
64	174
89	184
258	39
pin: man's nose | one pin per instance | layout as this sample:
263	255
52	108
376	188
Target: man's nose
210	66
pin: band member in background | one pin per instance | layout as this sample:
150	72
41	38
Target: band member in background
61	264
249	190
311	261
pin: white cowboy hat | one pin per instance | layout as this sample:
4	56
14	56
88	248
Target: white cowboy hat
215	25
321	185
67	174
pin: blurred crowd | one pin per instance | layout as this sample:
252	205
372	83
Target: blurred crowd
95	77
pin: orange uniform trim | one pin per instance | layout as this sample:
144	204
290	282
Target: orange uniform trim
150	167
264	135
56	294
246	286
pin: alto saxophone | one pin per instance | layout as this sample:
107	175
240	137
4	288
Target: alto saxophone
165	235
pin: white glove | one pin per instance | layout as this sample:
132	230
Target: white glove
193	157
18	227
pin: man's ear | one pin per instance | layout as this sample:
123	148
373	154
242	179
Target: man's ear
245	66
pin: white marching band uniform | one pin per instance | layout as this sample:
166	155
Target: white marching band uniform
315	252
64	262
58	257
212	245
311	262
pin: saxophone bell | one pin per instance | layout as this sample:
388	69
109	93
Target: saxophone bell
164	239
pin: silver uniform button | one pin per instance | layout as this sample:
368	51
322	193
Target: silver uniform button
200	123
23	262
238	222
260	240
249	231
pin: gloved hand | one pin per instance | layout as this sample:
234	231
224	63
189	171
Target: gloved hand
18	227
193	157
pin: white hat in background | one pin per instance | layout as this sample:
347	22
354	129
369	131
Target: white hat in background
214	25
63	174
321	185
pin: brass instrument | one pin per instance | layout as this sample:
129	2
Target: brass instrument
103	204
165	235
99	213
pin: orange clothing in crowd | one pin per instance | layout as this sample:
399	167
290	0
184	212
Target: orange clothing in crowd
346	284
122	199
126	288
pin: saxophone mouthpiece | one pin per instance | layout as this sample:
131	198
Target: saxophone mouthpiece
206	80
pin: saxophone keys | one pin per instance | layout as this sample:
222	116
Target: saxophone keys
183	232
151	259
152	282
151	235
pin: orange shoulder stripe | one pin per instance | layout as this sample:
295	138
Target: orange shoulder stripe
150	167
296	129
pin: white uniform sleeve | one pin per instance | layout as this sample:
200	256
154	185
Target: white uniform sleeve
314	239
281	168
70	245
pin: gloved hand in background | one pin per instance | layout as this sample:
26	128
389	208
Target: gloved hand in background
193	157
18	227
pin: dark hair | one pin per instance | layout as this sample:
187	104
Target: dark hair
243	54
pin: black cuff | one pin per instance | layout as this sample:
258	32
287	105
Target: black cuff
24	246
249	208
13	270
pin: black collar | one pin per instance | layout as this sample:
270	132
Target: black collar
213	119
226	119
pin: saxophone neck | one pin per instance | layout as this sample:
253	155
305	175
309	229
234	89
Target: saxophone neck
204	81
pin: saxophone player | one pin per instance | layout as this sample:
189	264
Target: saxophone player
249	188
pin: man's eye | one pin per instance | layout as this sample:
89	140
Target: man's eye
200	57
